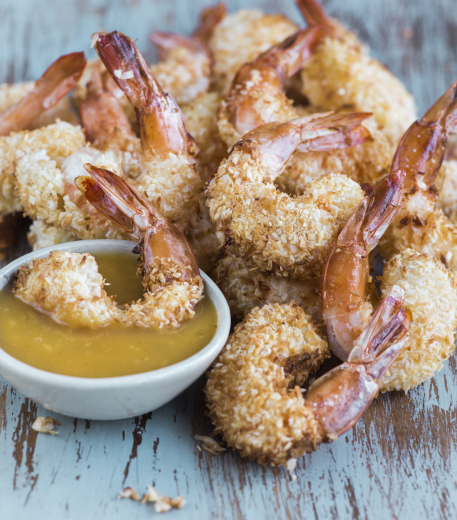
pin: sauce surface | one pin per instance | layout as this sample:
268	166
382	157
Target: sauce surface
35	339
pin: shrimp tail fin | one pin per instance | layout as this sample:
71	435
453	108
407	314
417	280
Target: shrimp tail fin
121	203
313	12
209	18
56	82
161	123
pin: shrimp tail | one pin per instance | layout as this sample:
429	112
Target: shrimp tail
161	123
120	202
209	18
340	397
56	82
314	13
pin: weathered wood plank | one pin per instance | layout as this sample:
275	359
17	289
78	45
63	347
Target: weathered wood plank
400	461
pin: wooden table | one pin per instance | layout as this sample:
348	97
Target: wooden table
400	460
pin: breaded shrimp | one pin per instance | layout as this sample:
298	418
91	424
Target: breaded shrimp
419	224
68	287
447	196
256	95
431	296
277	233
253	388
168	178
184	62
341	75
168	268
246	288
240	38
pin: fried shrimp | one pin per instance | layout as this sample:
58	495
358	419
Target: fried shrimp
419	224
240	38
69	288
60	77
341	75
246	288
431	296
168	178
184	62
275	232
168	268
253	388
257	95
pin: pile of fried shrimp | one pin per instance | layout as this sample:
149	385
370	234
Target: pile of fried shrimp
285	162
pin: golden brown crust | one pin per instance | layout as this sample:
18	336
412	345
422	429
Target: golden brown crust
431	296
252	395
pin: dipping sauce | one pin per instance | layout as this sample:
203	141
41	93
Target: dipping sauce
35	339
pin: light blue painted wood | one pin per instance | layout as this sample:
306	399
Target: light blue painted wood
400	461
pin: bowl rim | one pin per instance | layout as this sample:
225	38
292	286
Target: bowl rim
38	375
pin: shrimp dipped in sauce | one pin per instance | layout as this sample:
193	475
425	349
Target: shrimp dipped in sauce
419	224
68	287
341	75
253	389
286	236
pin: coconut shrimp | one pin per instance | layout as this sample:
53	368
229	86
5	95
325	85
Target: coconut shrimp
341	75
184	62
54	84
253	389
69	288
419	224
240	38
346	271
168	178
273	231
246	288
257	95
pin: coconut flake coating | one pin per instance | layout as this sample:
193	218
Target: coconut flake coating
246	288
68	287
240	38
168	299
41	235
431	296
59	140
447	198
253	388
289	236
341	75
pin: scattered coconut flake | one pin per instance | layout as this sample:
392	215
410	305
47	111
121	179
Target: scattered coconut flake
93	40
129	493
43	425
162	504
209	444
294	477
123	75
291	465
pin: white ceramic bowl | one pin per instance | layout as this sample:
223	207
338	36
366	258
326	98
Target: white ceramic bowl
111	397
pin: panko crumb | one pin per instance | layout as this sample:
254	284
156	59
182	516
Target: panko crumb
129	493
162	503
45	425
209	444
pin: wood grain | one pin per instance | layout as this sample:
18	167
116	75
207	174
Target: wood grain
400	460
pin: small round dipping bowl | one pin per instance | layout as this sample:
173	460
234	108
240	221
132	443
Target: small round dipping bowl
111	397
